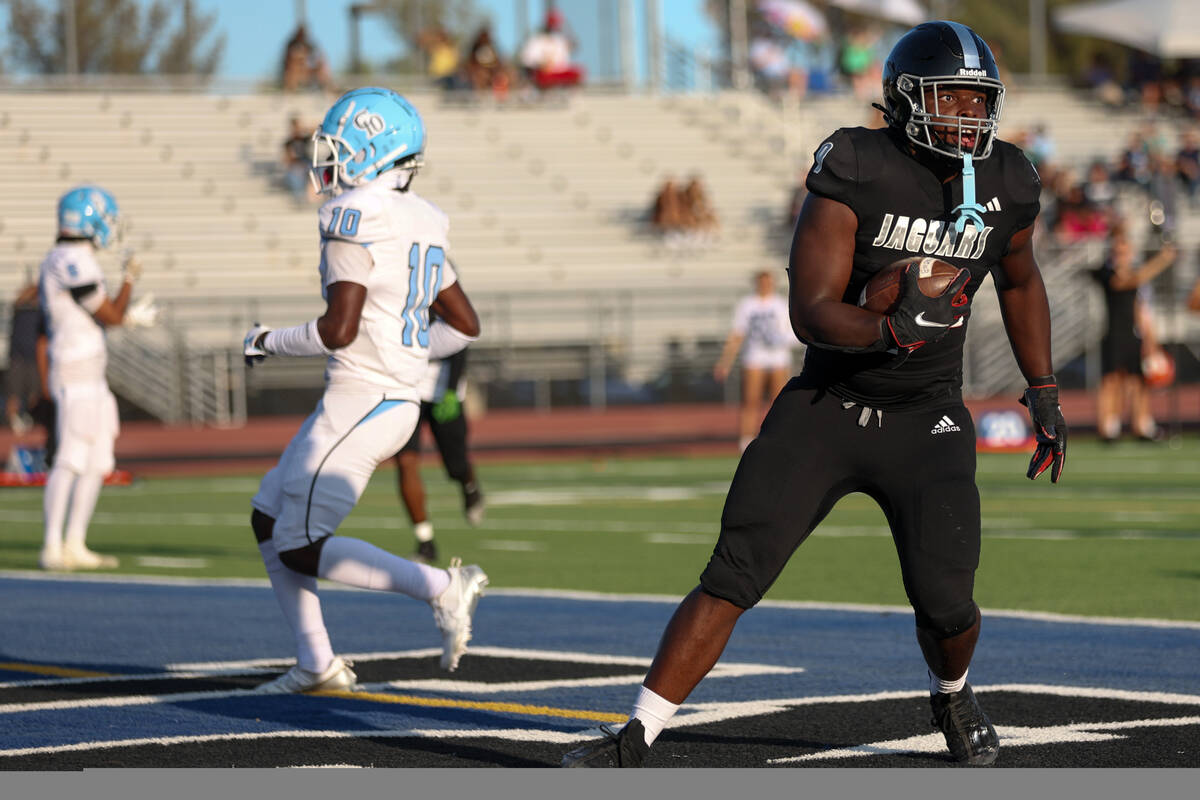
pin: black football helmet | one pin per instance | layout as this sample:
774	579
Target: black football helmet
933	56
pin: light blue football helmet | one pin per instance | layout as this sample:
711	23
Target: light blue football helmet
89	212
365	133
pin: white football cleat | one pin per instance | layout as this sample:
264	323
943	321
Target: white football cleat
52	561
453	609
83	558
337	677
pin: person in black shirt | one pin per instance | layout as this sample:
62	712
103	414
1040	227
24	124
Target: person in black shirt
1121	348
877	407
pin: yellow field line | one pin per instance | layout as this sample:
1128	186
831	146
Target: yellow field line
47	669
477	705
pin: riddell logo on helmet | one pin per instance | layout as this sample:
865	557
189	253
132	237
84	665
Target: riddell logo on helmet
974	73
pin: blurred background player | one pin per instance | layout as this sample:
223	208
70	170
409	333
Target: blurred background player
1128	325
77	309
762	333
22	385
383	267
442	392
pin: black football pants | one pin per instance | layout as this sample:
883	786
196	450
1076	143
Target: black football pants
918	465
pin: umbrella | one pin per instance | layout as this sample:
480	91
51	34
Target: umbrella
796	18
1166	28
907	12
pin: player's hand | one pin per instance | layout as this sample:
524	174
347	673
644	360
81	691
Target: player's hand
252	345
142	314
131	268
920	319
448	408
1049	428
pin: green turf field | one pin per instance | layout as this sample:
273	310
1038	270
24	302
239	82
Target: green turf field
1119	537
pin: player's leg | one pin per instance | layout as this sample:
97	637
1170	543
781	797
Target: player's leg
316	665
451	438
1108	406
412	494
103	427
774	502
927	490
754	379
349	438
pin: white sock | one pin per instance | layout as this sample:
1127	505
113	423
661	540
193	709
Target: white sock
54	507
297	596
362	564
937	685
423	531
654	711
83	503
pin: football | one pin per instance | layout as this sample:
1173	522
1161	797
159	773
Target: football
883	289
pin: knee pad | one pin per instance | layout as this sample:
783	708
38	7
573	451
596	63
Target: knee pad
945	623
262	525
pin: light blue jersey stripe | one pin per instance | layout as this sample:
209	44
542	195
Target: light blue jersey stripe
384	405
970	51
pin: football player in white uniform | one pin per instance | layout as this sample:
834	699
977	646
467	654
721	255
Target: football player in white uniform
383	267
77	307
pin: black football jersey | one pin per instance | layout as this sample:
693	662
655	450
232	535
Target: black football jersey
904	209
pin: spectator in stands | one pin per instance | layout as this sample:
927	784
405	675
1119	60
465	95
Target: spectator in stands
668	215
1098	188
1101	79
701	218
1133	164
762	334
546	56
304	66
1041	148
859	61
442	59
297	161
22	386
1122	346
1187	163
774	71
1164	189
486	71
1080	219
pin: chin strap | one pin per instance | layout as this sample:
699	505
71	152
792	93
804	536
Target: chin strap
968	210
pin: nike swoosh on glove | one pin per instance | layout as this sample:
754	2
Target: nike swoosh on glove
920	319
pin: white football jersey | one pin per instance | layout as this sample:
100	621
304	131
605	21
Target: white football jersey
77	347
406	239
766	326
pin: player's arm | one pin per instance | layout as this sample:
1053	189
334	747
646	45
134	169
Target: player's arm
819	270
347	266
1026	313
457	324
733	344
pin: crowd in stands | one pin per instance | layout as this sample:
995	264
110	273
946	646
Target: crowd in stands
543	63
682	214
1146	82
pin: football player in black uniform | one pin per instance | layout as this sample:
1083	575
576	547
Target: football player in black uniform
877	407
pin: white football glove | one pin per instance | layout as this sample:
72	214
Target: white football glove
131	268
142	314
252	345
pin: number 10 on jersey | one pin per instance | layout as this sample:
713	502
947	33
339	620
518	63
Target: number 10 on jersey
424	283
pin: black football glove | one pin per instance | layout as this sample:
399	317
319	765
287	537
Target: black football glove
919	319
1049	428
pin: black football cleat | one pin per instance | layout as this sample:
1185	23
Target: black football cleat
969	733
427	552
624	748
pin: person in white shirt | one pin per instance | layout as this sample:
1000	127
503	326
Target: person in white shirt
77	307
762	333
383	267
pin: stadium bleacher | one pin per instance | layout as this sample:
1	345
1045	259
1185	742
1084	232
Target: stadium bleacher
547	203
